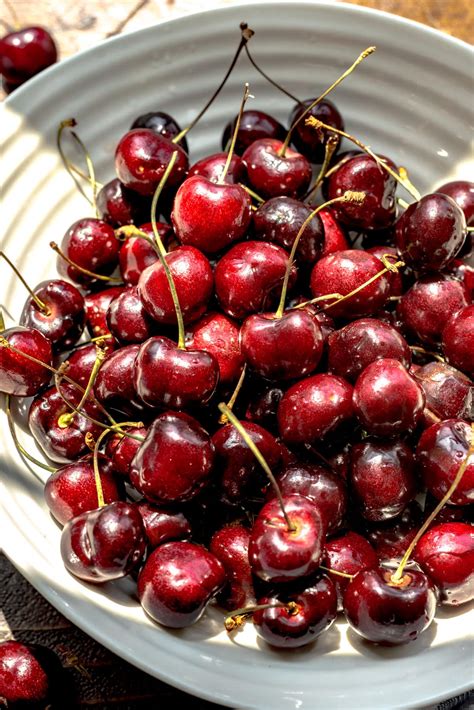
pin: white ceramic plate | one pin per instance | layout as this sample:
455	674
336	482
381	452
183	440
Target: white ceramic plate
412	101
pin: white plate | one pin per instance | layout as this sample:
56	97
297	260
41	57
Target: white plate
411	100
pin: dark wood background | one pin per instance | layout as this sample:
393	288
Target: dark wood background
96	678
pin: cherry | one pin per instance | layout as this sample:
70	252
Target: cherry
161	123
97	305
382	478
115	204
19	375
362	172
352	348
394	277
121	450
62	321
230	544
344	271
446	554
127	319
462	192
391	538
72	489
431	232
29	674
313	408
104	544
440	451
162	525
263	406
25	53
91	244
175	460
390	612
449	393
334	236
280	554
250	276
137	253
282	348
387	400
427	306
270	173
210	216
177	582
81	361
325	488
458	340
254	125
279	220
141	158
114	386
220	336
348	553
309	142
193	279
213	166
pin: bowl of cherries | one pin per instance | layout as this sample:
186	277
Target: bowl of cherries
237	354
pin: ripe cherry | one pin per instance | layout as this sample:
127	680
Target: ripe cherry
137	253
309	142
458	340
348	553
334	236
121	450
115	204
230	544
96	305
449	393
114	386
161	123
127	319
462	192
29	675
394	277
91	244
162	524
254	125
391	538
220	336
19	375
272	174
213	166
25	53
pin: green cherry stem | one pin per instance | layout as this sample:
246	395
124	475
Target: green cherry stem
41	305
71	168
23	452
92	274
101	353
230	152
237	618
331	145
230	404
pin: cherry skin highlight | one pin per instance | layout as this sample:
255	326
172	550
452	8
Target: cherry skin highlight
115	204
449	393
127	319
18	375
137	253
96	305
213	166
271	174
25	53
220	336
462	192
230	544
349	553
163	525
121	450
334	236
458	340
91	244
114	386
161	123
254	125
28	674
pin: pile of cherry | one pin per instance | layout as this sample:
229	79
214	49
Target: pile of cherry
341	337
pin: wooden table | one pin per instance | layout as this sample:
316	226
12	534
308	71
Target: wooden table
98	678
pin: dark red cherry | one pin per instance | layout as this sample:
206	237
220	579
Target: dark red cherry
254	125
212	167
458	340
210	216
279	220
278	554
283	348
175	460
97	305
141	158
105	543
72	489
387	400
193	279
230	544
250	276
388	613
462	192
427	306
162	123
136	253
305	138
446	554
91	244
382	478
391	538
313	408
349	554
127	319
220	336
441	450
352	348
121	450
25	53
29	675
61	443
314	611
63	321
334	236
18	375
395	278
166	375
325	488
449	393
114	386
271	174
343	272
263	406
163	525
363	174
431	232
115	204
81	361
177	582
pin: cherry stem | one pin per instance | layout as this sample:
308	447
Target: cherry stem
398	574
230	404
348	196
416	349
246	35
2	321
71	168
403	172
129	230
268	78
470	229
252	193
230	152
224	409
367	52
336	572
318	125
237	618
42	306
403	203
331	145
92	274
18	446
95	464
326	297
101	353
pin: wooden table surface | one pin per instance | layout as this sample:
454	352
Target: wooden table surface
96	677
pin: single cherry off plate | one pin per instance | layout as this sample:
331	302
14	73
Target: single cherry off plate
163	652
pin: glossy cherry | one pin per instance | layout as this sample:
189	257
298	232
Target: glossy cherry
462	192
18	375
254	125
96	305
162	524
91	244
263	406
309	142
395	278
25	53
177	582
213	166
81	362
458	340
115	204
137	253
230	544
121	450
335	238
127	319
449	393
220	336
271	174
349	553
391	538
162	123
29	674
114	387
